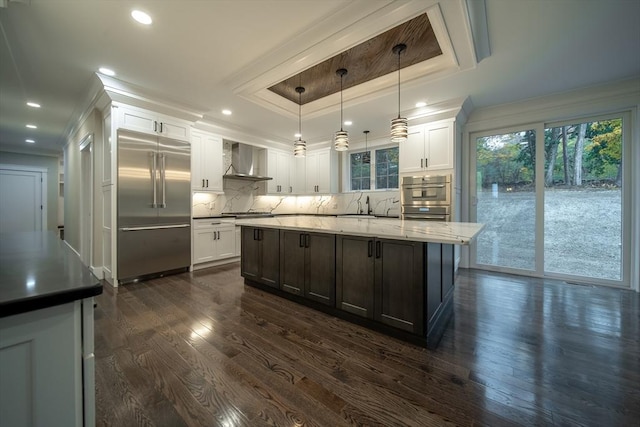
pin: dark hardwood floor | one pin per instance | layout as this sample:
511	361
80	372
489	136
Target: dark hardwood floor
203	349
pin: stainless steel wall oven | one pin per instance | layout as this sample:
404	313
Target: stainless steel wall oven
426	197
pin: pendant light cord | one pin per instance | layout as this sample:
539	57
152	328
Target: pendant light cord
300	115
399	51
341	76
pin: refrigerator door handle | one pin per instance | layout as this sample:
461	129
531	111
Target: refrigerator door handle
163	180
154	227
154	172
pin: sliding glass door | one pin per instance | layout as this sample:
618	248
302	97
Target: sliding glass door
553	205
583	199
506	199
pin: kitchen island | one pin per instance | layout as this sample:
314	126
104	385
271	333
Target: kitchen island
46	332
391	275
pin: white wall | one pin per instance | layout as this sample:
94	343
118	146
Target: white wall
91	125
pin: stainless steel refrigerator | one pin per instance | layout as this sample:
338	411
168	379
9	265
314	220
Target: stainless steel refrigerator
154	205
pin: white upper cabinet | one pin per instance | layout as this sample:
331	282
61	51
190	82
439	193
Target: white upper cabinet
321	171
146	121
206	162
279	168
298	175
428	147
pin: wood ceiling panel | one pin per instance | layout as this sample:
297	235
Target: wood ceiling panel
364	62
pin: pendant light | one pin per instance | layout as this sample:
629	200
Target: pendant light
341	140
299	146
399	126
366	157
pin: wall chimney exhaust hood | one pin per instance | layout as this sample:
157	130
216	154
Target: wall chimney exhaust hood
242	164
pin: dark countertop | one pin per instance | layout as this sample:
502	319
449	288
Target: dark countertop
38	270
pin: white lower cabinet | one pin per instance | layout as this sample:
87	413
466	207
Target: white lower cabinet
47	367
213	241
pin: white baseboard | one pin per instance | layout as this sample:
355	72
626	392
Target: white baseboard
215	263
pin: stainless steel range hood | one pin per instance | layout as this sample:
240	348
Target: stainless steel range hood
242	164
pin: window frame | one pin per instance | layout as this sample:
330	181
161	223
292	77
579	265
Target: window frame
372	148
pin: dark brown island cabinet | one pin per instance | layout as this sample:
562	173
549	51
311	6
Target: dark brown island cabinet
308	265
399	287
259	260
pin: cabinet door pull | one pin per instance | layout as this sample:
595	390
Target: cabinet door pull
307	240
207	183
426	162
161	127
301	240
203	183
378	248
421	163
255	234
370	248
218	233
155	126
290	189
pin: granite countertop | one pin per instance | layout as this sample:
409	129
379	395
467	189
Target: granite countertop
457	233
38	270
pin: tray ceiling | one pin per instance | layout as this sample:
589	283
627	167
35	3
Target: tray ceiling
366	61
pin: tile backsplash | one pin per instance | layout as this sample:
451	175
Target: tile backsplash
245	196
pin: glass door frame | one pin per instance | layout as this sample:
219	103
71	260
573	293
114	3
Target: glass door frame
539	128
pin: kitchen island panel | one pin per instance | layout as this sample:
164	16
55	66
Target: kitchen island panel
354	275
400	284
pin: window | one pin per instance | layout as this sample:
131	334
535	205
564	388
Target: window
387	168
379	166
360	171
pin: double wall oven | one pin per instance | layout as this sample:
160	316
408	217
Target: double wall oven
426	197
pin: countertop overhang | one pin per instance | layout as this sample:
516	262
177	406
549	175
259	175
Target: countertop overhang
457	233
38	270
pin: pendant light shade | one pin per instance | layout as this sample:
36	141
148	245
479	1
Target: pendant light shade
341	139
299	146
399	125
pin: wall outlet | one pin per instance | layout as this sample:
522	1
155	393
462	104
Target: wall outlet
334	206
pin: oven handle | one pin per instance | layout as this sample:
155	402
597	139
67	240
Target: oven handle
441	217
412	186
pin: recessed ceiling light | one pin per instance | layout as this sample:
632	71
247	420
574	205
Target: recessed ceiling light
141	17
297	135
348	122
421	104
226	112
30	141
32	126
33	104
107	71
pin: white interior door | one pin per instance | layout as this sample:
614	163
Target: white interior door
21	204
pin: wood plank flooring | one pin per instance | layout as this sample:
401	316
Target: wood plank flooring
203	349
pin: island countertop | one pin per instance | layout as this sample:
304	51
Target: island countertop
38	270
457	233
